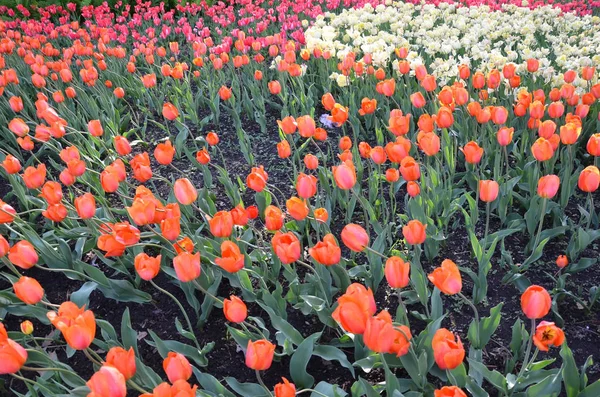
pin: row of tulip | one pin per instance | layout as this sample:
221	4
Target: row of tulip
416	154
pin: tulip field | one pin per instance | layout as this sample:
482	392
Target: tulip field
300	198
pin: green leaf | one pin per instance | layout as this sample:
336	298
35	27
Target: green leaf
128	335
494	377
592	390
246	389
331	353
300	360
570	373
549	387
328	390
489	325
82	295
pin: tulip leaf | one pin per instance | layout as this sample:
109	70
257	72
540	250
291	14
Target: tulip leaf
549	387
324	388
82	295
331	353
488	325
494	377
300	360
246	389
570	373
211	384
128	334
592	390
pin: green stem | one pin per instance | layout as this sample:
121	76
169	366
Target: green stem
539	231
201	288
527	352
47	369
263	383
487	225
476	313
187	319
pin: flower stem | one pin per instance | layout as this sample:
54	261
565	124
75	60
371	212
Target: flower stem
263	383
539	231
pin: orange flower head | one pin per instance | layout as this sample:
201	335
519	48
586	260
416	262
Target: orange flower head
488	190
235	309
108	381
177	367
447	278
448	350
259	354
355	237
231	260
589	179
449	391
286	246
77	325
285	389
397	272
28	290
547	335
147	267
123	360
414	232
535	302
187	266
297	208
326	252
548	186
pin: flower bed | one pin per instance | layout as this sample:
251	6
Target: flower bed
203	201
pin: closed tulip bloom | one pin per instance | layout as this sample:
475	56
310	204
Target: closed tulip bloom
177	367
339	114
546	335
447	278
122	145
26	327
399	124
379	333
593	145
410	169
398	150
221	224
225	93
448	350
548	186
77	325
185	192
413	189
589	179
444	118
392	175
274	87
286	246
297	208
28	290
378	155
12	355
164	152
397	272
306	185
12	165
202	156
306	126
169	111
355	237
171	227
288	125
311	162
473	152
259	354
273	218
23	255
542	149
285	389
147	267
488	190
327	101
562	261
449	391
414	232
569	133
142	211
212	138
355	307
326	252
16	104
18	127
535	302
321	215
546	129
52	192
418	100
344	175
123	360
95	128
187	266
231	260
257	179
284	150
429	143
107	382
235	309
4	246
85	206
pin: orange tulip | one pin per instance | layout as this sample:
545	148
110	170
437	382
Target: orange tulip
542	149
274	87
52	192
259	354
77	325
85	206
164	152
339	114
344	175
212	138
12	355
235	309
397	272
169	111
28	290
410	169
447	278
273	218
297	208
284	150
142	171
187	266
231	260
399	124
448	350
367	106
444	118
108	381
306	185
562	261
413	189
123	360
548	186
16	104
589	179
202	156
414	232
285	389
535	302
311	162
23	255
177	367
257	179
488	190
18	127
505	136
569	133
354	308
472	152
34	177
26	327
546	129
418	100
355	237
327	101
321	215
379	333
225	93
185	192
122	145
147	267
286	246
429	143
546	335
95	128
221	224
326	252
142	211
392	175
4	246
306	126
12	165
449	391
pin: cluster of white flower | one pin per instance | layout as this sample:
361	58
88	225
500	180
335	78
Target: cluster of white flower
446	36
